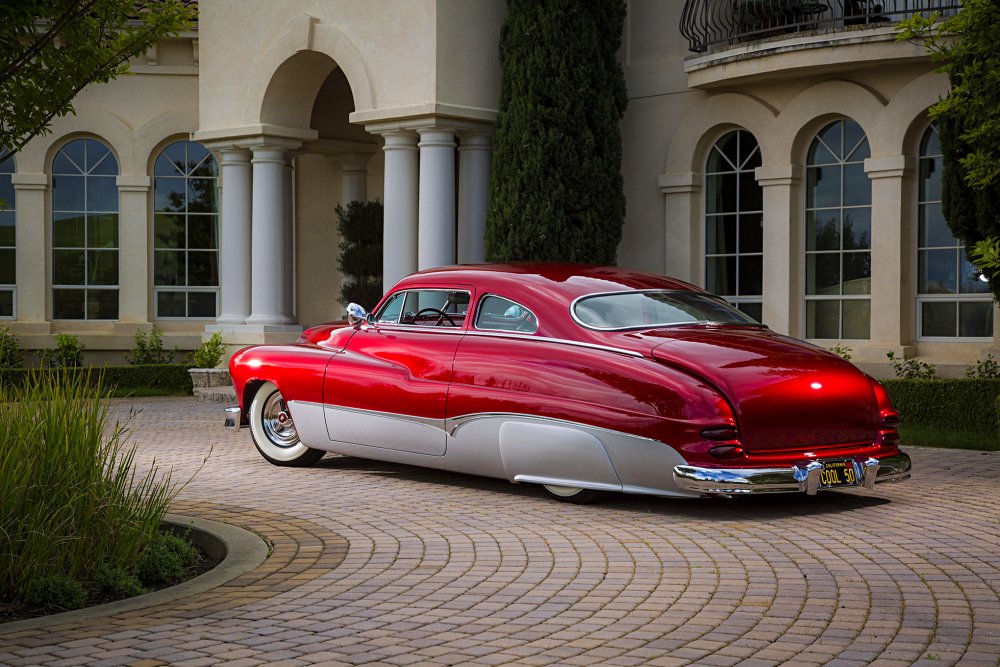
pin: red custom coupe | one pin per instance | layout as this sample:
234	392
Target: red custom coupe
579	378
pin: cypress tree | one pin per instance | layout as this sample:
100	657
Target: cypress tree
361	252
556	191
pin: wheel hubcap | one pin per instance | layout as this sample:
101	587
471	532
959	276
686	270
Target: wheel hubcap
563	491
277	422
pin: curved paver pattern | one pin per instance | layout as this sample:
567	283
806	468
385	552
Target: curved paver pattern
381	563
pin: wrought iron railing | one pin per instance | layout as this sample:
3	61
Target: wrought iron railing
713	24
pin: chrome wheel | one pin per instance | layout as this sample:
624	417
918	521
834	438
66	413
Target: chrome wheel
273	430
277	422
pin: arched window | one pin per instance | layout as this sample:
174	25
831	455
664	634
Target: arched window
8	253
838	234
951	300
185	232
734	236
84	232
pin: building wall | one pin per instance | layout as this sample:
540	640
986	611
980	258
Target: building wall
136	116
783	93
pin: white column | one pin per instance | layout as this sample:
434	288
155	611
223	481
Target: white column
475	152
32	257
782	291
683	213
288	187
234	241
892	305
436	242
133	249
399	240
353	178
270	271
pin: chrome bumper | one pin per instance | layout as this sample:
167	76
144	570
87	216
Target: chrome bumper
734	481
233	419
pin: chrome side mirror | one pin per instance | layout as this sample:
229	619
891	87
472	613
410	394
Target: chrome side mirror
356	315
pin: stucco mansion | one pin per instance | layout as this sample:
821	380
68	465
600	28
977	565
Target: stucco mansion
778	153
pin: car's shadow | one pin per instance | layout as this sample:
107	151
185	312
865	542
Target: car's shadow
755	507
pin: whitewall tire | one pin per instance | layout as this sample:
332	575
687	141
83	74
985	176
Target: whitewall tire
273	430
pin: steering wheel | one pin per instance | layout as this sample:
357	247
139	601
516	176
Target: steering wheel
440	313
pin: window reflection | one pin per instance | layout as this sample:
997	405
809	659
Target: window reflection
838	233
734	232
185	231
85	223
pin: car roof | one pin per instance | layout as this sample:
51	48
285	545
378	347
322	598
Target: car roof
568	281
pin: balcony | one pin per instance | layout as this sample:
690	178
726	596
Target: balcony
716	25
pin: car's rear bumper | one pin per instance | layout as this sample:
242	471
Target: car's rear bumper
806	478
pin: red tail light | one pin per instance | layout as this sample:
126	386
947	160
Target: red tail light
726	452
726	432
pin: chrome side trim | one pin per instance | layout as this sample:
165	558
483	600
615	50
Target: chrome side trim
739	481
546	339
452	424
558	481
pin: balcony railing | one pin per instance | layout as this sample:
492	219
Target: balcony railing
713	24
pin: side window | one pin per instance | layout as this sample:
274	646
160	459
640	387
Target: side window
426	308
499	314
390	311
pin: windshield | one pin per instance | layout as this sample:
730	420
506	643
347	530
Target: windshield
635	310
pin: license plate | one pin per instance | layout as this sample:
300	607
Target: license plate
837	473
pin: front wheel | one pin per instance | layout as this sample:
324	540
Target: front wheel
274	431
571	494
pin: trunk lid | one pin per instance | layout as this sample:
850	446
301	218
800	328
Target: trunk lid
787	394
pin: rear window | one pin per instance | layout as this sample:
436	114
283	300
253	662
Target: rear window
637	310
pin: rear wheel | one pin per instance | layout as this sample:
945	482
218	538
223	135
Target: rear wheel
274	431
571	494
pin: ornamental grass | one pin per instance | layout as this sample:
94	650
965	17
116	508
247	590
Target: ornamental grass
72	504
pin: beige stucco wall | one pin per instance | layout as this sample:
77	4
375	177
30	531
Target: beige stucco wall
136	116
400	58
783	92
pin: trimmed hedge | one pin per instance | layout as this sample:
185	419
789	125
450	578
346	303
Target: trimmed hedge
171	377
968	404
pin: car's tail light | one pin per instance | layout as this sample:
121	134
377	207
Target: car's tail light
726	432
889	418
726	451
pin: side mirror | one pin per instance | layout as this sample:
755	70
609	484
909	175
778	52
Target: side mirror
356	315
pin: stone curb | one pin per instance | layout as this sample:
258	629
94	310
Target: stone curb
240	549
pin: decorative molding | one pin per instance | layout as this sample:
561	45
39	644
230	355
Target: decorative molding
889	167
684	183
22	181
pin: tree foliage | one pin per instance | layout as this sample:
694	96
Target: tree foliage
968	119
556	190
50	50
361	252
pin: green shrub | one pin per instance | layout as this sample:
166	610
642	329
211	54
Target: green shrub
361	252
210	353
910	368
170	378
967	404
987	368
149	351
165	560
841	351
117	581
71	495
10	349
68	353
54	592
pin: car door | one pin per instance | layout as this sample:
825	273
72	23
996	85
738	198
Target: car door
389	386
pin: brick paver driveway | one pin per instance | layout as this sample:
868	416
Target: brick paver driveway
450	569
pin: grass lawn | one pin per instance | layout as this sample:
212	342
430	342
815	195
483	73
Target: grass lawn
932	436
